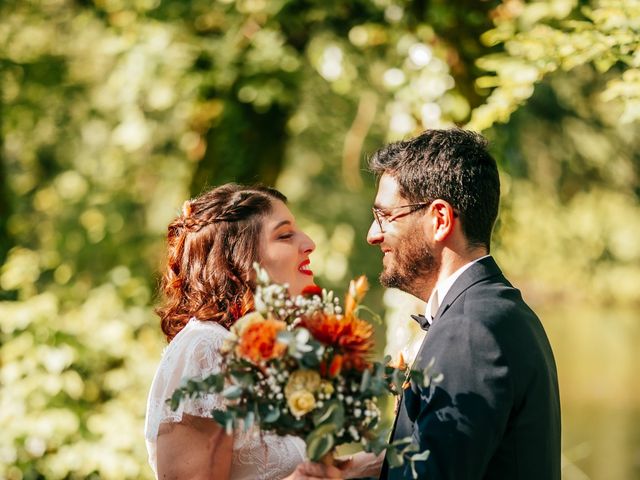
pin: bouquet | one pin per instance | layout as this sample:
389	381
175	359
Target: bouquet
301	366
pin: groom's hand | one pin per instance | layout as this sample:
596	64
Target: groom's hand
310	470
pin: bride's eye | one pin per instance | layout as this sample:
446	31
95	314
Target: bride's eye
285	236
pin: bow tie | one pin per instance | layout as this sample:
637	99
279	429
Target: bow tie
422	321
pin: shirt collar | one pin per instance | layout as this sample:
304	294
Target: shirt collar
442	288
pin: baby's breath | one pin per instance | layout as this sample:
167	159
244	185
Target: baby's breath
273	300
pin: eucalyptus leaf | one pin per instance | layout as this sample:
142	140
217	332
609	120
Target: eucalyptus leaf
221	416
215	382
320	442
290	422
249	420
285	336
418	457
192	387
366	378
310	360
176	398
244	378
394	458
332	412
398	380
402	442
232	392
318	447
269	413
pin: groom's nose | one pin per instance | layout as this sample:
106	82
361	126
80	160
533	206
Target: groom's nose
374	235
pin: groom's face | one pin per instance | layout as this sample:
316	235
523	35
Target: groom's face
408	259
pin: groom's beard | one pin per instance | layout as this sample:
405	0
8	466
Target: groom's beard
413	261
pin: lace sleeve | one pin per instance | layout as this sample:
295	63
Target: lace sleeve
193	353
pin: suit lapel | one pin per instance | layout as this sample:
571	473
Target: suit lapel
479	271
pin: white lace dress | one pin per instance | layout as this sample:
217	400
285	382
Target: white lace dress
194	352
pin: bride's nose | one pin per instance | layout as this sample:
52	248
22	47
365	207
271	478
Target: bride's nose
307	245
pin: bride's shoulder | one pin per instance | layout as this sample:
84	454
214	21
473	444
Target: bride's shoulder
201	329
195	349
196	336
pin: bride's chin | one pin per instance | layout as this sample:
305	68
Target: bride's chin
295	289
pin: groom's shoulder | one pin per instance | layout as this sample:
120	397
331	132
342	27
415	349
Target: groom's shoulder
482	298
496	303
496	290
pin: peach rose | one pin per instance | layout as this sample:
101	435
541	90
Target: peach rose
258	341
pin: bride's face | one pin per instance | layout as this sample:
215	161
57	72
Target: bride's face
285	249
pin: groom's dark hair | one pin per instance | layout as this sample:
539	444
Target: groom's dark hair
453	165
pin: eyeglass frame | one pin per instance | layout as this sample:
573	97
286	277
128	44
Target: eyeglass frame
391	218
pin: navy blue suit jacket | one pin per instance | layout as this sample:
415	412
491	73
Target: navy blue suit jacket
496	413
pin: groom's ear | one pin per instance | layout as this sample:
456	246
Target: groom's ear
441	218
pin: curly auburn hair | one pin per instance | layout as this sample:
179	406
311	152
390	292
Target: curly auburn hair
211	250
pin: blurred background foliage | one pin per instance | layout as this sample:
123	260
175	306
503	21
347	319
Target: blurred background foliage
112	112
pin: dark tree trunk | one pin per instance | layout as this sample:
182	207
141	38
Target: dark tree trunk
245	146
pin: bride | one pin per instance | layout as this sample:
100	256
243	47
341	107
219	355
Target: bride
207	286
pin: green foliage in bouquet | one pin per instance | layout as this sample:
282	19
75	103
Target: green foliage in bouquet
300	366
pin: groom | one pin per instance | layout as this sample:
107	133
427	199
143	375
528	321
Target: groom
496	413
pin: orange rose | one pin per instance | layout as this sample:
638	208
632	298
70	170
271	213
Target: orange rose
258	342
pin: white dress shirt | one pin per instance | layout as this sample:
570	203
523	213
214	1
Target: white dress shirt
441	289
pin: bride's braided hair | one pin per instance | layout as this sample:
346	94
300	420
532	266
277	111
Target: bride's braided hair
211	250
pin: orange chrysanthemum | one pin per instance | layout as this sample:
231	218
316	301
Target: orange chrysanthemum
350	336
258	342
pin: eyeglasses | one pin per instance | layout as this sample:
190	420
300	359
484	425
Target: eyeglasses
384	217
